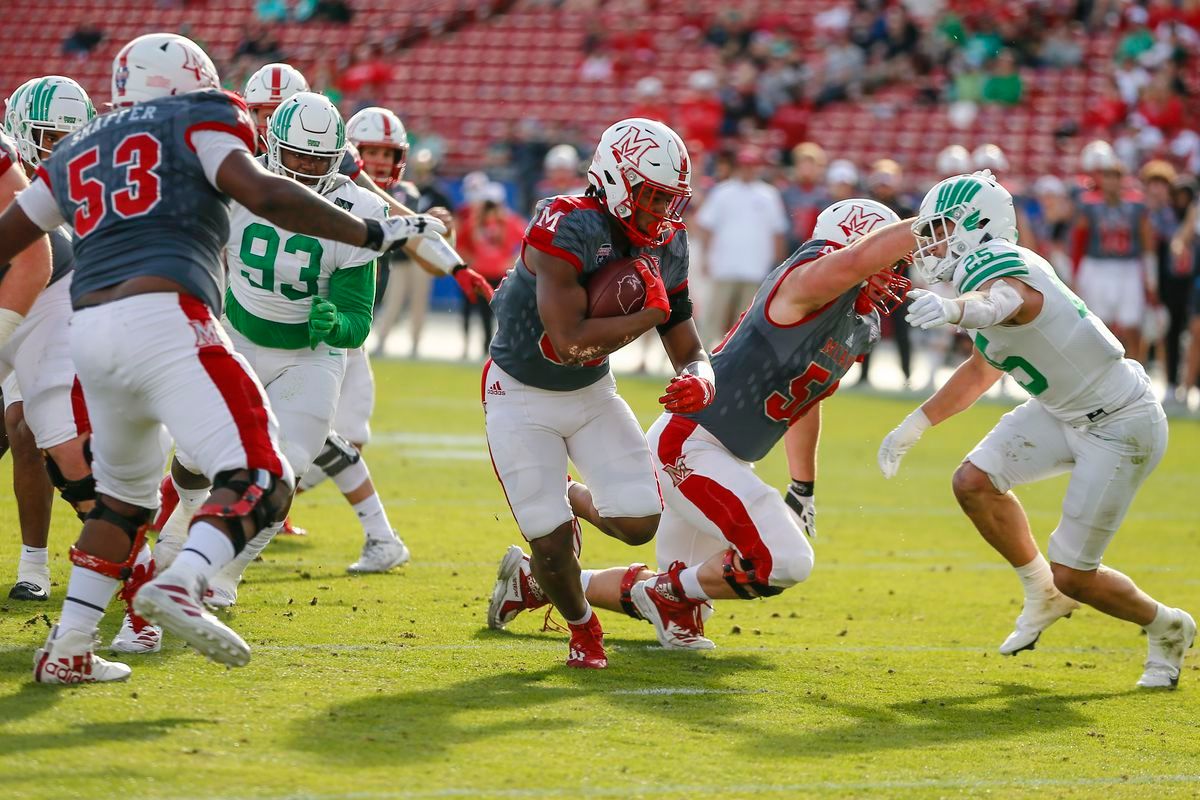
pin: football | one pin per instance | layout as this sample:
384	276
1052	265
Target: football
616	289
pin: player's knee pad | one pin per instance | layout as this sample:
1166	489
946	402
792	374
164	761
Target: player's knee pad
792	568
133	525
337	455
257	502
627	581
82	490
741	576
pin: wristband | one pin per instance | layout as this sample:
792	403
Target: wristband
374	239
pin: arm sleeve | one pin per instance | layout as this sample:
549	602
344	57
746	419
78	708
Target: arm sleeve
37	201
212	147
352	290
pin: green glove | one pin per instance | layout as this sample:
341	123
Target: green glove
322	320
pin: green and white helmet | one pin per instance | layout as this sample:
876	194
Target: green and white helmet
52	103
961	213
309	124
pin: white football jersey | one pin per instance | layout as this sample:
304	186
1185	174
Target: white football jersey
1065	357
274	274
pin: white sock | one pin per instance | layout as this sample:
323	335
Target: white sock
1037	578
690	580
34	565
237	567
1162	621
175	530
587	614
373	519
207	550
351	477
585	577
88	594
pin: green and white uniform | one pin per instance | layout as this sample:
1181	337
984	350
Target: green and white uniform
273	277
1091	412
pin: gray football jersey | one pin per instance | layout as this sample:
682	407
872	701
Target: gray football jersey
351	164
1113	231
133	189
769	375
577	230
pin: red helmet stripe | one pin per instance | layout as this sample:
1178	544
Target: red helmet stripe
387	126
276	80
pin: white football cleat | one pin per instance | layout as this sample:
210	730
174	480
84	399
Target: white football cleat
70	659
1165	656
676	622
222	591
1035	617
137	636
515	589
172	600
380	555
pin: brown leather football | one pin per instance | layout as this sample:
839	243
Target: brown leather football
616	289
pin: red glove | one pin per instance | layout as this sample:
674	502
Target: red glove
688	393
473	284
656	292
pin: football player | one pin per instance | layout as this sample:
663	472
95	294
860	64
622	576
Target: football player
40	113
725	534
146	189
1091	413
548	392
1114	251
295	306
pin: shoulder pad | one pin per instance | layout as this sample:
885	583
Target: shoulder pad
217	110
995	259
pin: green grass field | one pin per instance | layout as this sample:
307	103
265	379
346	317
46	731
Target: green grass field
877	678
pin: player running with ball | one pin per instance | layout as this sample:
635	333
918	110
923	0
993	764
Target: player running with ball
725	534
1091	413
548	391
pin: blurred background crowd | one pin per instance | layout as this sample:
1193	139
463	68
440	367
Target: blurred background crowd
785	105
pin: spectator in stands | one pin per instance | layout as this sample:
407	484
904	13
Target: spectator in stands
83	40
1062	47
1186	250
1003	83
740	227
364	80
489	244
805	196
271	10
1174	278
648	100
259	44
699	113
840	72
1159	107
884	185
338	11
1108	111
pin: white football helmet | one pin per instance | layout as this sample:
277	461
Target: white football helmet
308	124
989	156
959	214
267	88
953	160
159	65
642	165
380	127
1097	156
847	221
53	103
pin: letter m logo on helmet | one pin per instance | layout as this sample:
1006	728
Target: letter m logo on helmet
634	145
858	222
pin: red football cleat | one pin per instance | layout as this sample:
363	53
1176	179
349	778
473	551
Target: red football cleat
170	499
676	618
515	589
587	645
289	529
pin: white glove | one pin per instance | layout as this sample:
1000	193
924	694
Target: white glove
900	441
396	229
929	310
802	504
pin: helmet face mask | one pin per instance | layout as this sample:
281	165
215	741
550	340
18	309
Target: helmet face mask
847	221
885	290
309	125
642	173
957	216
43	111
